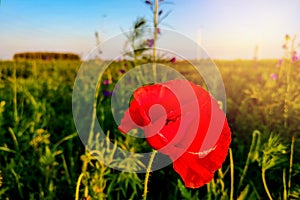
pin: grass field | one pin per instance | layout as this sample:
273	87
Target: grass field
42	156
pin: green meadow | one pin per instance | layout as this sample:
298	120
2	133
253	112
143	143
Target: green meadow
42	156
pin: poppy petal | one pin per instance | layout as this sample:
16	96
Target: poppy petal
193	174
183	121
196	170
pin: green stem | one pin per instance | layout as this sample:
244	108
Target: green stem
16	119
94	115
291	165
78	186
284	185
13	135
265	184
231	174
286	97
251	155
17	179
148	174
66	170
155	23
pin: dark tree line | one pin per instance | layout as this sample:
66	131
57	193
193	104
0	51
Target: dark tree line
45	56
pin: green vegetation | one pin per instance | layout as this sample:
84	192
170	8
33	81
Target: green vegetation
42	156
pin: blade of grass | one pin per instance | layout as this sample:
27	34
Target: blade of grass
13	135
251	155
7	149
65	139
66	169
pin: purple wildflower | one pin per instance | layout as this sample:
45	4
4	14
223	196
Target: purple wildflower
160	12
107	93
150	42
295	57
122	71
148	2
274	76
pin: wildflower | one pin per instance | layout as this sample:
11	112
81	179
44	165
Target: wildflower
158	30
181	131
150	42
173	60
280	61
148	2
295	57
122	71
107	93
274	76
106	82
284	46
160	12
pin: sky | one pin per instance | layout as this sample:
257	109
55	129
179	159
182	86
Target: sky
226	29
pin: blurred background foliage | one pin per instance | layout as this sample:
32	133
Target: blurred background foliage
42	156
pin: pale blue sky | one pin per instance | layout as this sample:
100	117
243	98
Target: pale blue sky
228	28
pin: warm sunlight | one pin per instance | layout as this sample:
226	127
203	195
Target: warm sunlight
149	99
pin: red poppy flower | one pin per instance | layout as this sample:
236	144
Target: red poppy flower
183	121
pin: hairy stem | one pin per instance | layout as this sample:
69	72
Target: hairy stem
148	174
